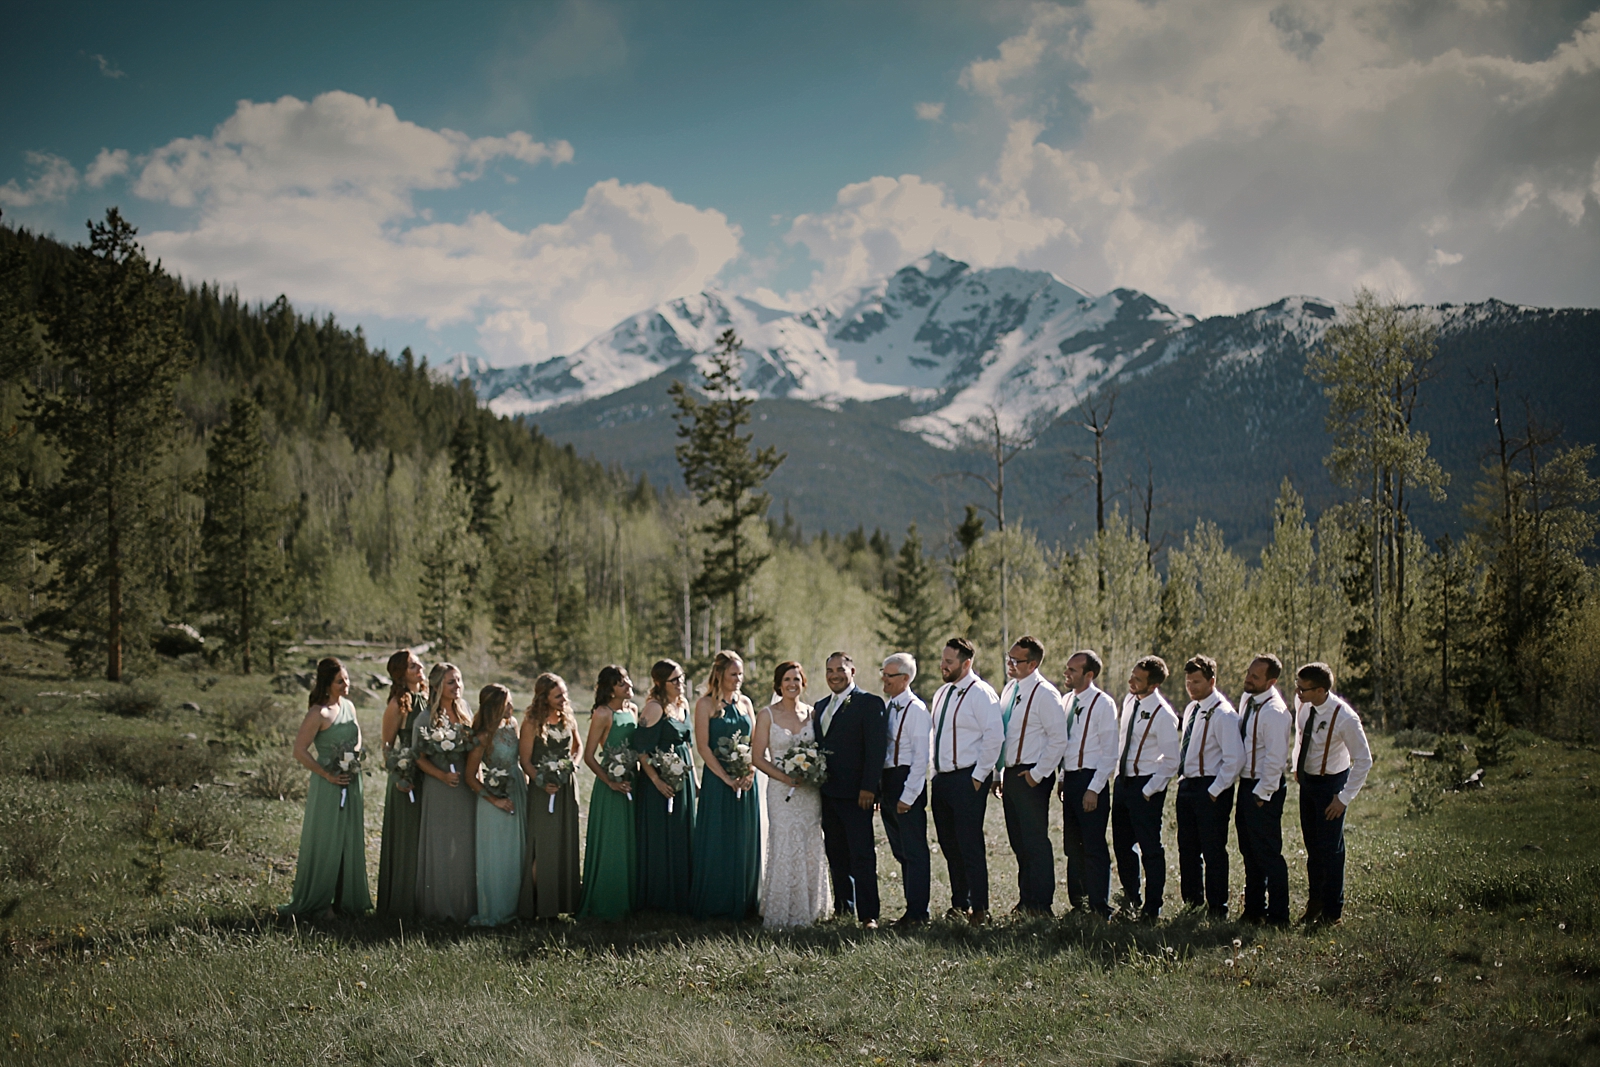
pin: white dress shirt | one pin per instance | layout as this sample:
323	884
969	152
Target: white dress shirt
910	733
835	702
1147	738
1091	735
1268	737
1214	746
1337	743
1037	732
966	727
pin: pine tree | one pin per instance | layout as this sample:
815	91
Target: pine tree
472	471
450	553
726	473
915	615
245	574
118	331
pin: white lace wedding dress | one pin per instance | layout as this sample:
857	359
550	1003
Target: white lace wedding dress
795	887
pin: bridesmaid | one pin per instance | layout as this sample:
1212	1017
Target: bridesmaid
502	821
332	869
402	815
609	880
727	829
664	868
550	885
447	882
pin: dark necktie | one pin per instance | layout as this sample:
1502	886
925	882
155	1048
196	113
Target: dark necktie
1127	742
1188	732
1306	737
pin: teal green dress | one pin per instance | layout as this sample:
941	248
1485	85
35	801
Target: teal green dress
665	866
550	871
501	836
727	837
402	828
608	864
332	868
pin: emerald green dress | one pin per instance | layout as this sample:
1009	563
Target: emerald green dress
332	868
608	864
402	827
502	836
550	871
727	837
665	867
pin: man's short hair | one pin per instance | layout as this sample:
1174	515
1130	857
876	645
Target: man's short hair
1091	661
1154	667
1203	665
1318	675
962	646
843	656
906	662
1274	665
1032	647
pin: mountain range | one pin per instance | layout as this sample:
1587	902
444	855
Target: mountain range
879	395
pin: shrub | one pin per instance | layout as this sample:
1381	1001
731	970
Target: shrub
1415	739
198	818
1493	736
147	761
130	702
29	849
255	721
280	777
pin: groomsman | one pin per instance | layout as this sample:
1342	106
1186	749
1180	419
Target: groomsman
1209	755
967	738
1035	727
1331	764
1086	769
851	731
904	795
1146	762
1267	731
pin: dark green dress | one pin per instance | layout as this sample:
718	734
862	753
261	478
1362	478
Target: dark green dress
402	826
332	868
665	867
727	837
550	874
608	862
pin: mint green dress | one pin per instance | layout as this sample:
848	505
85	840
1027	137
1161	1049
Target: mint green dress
609	863
501	836
402	827
332	868
663	838
727	837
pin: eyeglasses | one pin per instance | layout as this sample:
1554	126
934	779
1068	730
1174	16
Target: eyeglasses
1017	662
1306	688
888	674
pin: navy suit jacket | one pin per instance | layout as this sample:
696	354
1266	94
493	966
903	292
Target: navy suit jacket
855	743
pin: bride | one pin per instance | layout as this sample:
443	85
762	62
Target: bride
795	885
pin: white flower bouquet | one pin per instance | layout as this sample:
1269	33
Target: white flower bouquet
345	761
401	761
556	771
806	763
671	769
447	743
733	752
620	763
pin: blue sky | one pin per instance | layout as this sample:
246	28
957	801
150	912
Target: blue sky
510	179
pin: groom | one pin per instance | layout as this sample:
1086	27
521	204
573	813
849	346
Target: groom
853	733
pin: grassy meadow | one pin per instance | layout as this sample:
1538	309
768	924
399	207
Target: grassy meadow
136	926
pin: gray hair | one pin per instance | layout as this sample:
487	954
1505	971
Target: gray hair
907	664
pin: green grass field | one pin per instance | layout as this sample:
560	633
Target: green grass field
1469	935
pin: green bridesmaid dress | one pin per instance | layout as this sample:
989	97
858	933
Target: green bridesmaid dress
402	828
502	836
727	837
332	869
608	866
550	870
665	867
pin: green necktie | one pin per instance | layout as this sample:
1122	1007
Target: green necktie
1072	716
1005	724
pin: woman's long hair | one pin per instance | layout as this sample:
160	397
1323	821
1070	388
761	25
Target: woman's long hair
660	674
782	669
436	695
605	687
541	707
327	670
719	669
399	666
494	708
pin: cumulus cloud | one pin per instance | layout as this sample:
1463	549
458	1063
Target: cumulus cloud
930	112
317	199
1220	156
56	179
107	165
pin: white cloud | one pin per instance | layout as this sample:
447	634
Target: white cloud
316	199
107	165
930	112
56	179
108	68
1441	258
1223	155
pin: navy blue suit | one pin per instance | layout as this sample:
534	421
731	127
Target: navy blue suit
854	743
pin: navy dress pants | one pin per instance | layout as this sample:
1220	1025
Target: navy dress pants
958	811
1266	875
1136	821
1203	843
1084	842
908	839
852	856
1324	845
1027	809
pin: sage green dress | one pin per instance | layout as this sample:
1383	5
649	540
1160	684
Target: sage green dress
332	868
550	871
447	863
609	880
727	837
402	826
665	867
502	836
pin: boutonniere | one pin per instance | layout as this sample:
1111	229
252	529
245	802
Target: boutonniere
1321	726
1147	714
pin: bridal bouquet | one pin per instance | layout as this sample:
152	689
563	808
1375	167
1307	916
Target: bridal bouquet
733	752
554	770
345	761
401	761
671	769
805	763
619	762
449	742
